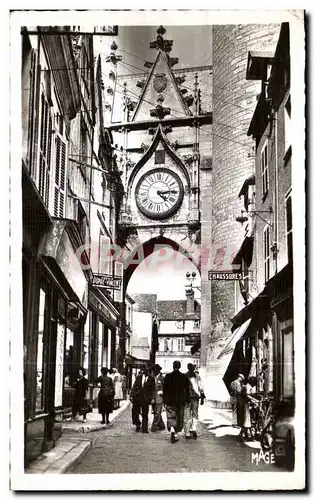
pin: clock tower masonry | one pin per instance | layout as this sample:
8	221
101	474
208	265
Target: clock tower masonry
164	139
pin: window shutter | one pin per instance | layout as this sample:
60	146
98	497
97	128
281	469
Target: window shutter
45	150
119	273
60	176
104	248
31	114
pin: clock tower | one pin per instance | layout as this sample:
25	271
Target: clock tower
164	142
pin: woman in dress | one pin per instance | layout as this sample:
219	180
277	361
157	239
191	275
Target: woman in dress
119	395
106	395
247	390
79	404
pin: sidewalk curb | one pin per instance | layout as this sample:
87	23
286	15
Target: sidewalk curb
95	427
72	462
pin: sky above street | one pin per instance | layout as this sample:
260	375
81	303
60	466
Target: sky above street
167	280
192	45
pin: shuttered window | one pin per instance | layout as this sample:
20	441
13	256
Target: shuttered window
119	272
267	252
60	177
265	170
288	206
45	151
104	253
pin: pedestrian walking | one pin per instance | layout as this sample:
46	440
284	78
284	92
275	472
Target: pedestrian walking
236	391
117	379
79	404
196	393
106	395
246	398
175	396
157	406
141	396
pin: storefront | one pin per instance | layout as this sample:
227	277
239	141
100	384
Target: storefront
265	349
101	345
55	309
280	290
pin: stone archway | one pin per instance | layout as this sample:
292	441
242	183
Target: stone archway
170	245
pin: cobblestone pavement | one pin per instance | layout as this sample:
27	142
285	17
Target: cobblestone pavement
120	449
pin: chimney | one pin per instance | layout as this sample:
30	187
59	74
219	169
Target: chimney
190	304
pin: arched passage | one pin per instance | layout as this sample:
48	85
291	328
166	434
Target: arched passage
164	249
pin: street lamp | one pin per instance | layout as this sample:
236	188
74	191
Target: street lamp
191	278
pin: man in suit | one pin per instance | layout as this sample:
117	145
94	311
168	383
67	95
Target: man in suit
158	424
141	396
175	396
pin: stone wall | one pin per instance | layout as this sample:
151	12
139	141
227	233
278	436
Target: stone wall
234	101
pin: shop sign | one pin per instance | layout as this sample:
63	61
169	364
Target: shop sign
107	281
224	275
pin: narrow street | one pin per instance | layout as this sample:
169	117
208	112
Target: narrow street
120	449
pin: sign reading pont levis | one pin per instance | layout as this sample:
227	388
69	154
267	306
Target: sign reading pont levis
224	275
107	281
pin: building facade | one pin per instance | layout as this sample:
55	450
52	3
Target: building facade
68	322
263	338
234	101
179	331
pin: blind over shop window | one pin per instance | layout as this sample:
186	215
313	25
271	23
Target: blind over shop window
44	150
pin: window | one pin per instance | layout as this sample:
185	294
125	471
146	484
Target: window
180	344
267	252
69	365
104	254
60	177
179	324
196	324
287	362
159	156
85	150
60	345
264	170
118	270
288	206
44	150
40	352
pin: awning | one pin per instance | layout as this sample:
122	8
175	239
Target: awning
58	252
236	336
258	307
245	252
280	286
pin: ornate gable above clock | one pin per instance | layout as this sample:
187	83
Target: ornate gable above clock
161	96
159	180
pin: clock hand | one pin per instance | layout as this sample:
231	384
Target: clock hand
161	193
169	191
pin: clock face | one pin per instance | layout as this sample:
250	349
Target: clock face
159	193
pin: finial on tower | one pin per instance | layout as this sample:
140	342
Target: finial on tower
160	43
